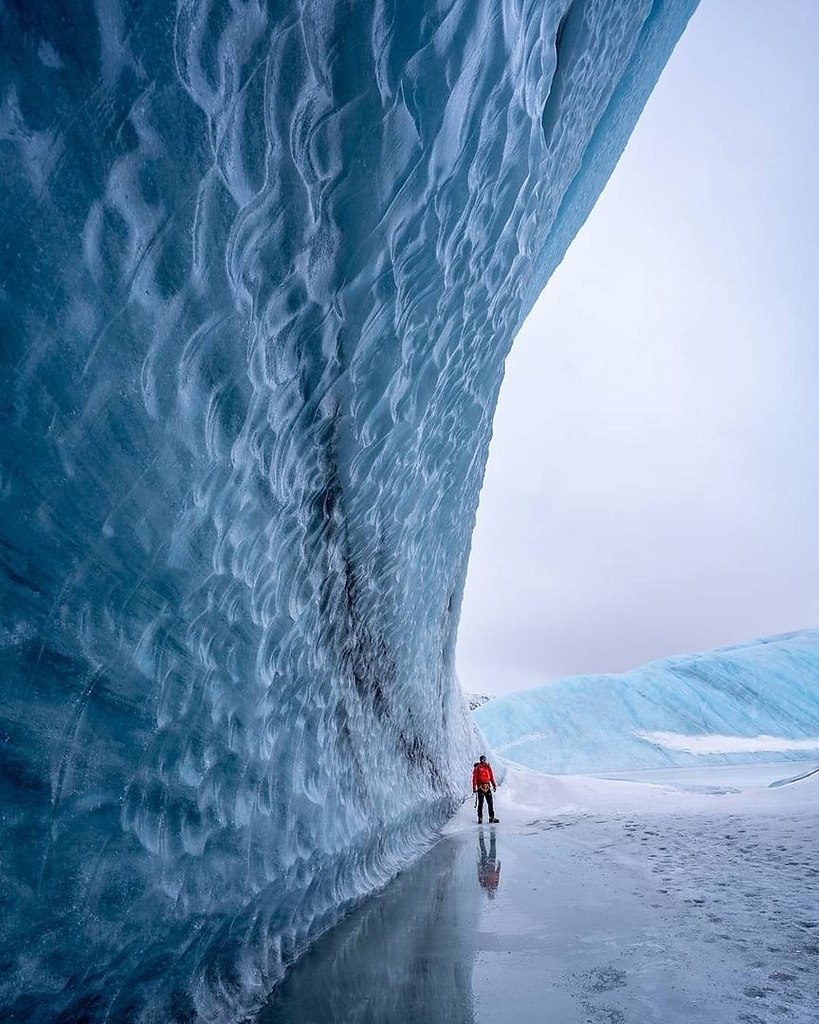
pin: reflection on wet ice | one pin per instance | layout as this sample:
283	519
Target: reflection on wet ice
489	867
406	955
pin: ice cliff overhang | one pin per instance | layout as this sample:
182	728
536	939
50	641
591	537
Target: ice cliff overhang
261	265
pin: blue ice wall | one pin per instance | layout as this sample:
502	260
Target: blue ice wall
260	267
767	688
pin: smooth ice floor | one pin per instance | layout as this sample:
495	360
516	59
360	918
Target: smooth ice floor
660	905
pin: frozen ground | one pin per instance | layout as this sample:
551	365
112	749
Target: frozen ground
594	900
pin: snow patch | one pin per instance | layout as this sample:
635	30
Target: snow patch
713	744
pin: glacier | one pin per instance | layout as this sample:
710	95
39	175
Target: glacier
757	701
261	266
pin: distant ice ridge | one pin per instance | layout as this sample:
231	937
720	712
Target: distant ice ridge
261	265
756	701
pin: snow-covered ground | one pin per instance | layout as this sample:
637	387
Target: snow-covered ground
717	789
691	899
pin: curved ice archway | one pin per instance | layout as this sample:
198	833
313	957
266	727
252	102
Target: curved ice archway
261	267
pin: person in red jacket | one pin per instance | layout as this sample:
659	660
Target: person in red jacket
482	778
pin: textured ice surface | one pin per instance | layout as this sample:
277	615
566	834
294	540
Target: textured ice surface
756	701
260	267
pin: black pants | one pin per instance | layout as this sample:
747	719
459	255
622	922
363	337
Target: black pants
488	797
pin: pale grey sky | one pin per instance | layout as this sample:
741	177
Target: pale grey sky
652	484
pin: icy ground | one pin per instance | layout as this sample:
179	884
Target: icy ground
617	902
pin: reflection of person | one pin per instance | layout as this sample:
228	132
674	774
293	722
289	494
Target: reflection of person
482	778
488	865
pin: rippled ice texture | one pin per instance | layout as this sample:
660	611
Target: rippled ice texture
755	701
260	267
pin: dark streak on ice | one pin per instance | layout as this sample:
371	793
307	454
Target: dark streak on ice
568	45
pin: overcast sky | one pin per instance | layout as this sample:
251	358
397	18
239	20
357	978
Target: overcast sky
652	483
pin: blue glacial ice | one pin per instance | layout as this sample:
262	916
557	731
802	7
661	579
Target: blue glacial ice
753	702
260	268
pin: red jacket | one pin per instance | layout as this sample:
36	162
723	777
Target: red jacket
482	774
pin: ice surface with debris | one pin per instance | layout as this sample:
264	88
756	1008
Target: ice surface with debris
475	700
261	266
754	701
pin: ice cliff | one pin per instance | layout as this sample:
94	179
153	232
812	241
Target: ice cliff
260	267
756	701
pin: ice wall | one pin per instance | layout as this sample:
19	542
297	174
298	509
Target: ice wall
754	702
260	267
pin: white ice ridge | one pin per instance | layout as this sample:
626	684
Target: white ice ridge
736	703
261	266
